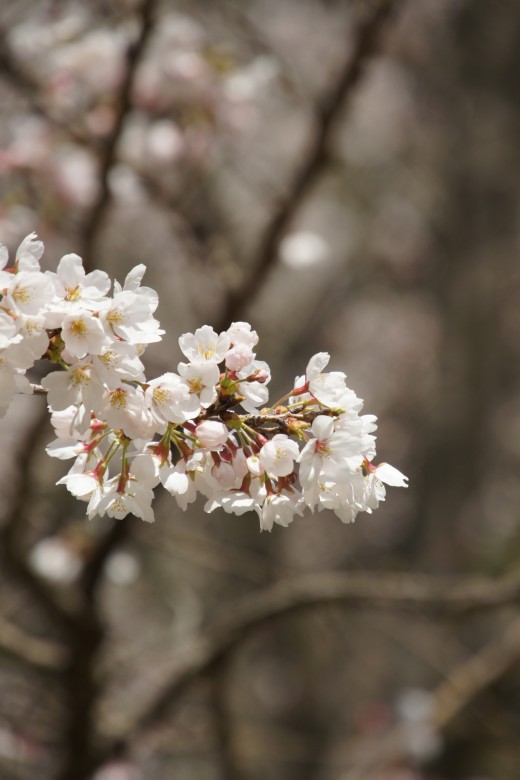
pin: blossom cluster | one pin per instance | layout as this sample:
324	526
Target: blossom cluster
206	428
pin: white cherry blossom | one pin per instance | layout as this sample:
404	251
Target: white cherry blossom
390	475
233	502
327	387
253	385
137	500
242	333
176	481
77	385
83	333
130	316
74	287
32	330
8	330
278	455
224	474
11	383
330	456
204	345
279	509
255	466
169	399
238	357
117	361
81	485
125	407
201	379
201	431
29	253
28	293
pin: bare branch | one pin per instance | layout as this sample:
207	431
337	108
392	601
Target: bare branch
81	623
12	552
473	676
441	596
88	634
12	528
314	162
13	71
134	56
463	685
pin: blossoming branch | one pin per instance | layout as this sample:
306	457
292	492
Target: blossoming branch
206	429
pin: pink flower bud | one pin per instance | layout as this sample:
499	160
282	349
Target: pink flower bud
212	434
225	475
238	357
260	375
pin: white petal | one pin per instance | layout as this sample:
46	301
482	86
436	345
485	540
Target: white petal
316	364
392	476
323	427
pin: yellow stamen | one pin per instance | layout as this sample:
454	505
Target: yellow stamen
161	395
79	329
118	398
195	384
22	294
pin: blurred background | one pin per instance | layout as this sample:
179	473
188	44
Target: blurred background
344	175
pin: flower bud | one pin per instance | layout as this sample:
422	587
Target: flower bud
260	375
294	426
238	357
225	475
212	434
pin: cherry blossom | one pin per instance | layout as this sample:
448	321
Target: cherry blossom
205	430
278	455
204	345
82	333
202	379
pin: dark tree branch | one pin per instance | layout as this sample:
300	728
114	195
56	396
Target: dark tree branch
448	597
467	680
87	636
222	721
13	71
81	623
314	162
12	551
135	52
